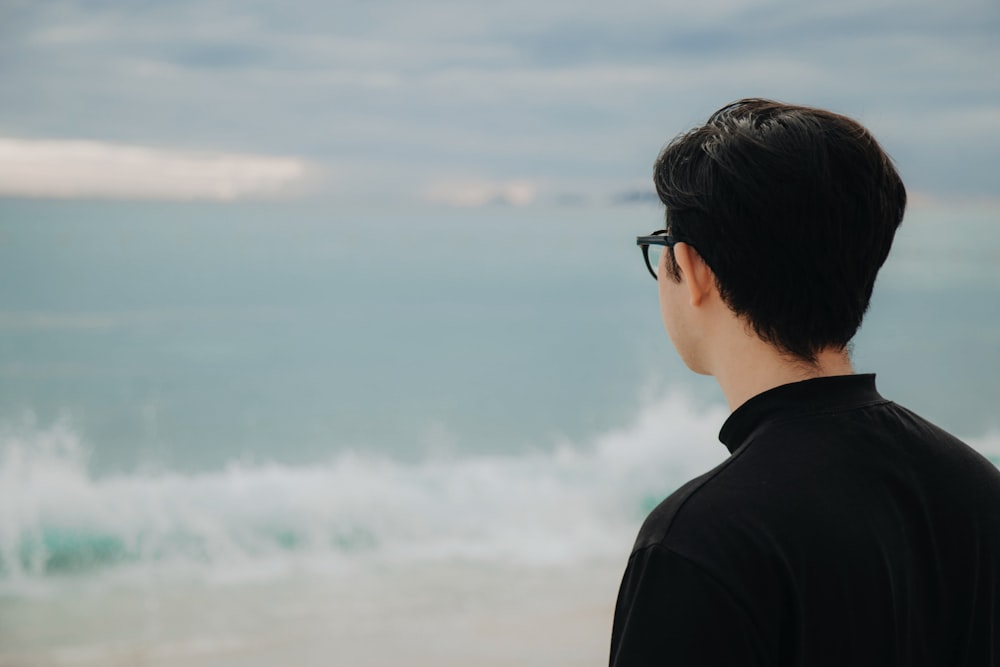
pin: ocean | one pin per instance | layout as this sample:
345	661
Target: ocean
259	433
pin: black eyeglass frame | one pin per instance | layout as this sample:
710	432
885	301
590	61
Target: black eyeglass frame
660	237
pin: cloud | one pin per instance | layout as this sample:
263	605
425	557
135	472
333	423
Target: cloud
68	169
522	90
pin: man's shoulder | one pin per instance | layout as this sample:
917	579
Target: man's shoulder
818	469
701	501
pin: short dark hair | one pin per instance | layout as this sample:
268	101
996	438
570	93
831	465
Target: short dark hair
793	208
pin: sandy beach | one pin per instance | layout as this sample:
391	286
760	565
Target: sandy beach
435	614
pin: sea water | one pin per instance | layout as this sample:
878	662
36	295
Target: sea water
293	433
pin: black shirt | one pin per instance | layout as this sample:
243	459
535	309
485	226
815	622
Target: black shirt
842	530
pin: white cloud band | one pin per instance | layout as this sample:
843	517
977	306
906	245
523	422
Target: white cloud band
67	169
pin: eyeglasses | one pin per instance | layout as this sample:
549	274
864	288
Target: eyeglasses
652	248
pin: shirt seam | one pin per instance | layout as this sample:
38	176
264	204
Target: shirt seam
707	478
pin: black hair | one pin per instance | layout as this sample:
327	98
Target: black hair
793	208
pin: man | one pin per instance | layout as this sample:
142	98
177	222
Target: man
843	529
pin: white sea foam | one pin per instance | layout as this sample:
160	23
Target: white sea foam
564	505
569	503
515	560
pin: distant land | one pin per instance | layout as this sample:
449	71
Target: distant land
636	197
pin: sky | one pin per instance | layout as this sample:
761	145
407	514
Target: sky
468	103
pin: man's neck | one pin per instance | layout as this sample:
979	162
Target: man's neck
758	367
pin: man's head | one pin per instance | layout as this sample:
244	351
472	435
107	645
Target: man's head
794	211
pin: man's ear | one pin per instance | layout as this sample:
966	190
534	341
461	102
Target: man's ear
698	278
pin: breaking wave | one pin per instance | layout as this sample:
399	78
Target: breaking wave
571	502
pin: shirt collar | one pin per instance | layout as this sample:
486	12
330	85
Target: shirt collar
797	398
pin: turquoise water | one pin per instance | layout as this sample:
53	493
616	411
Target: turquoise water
291	392
185	336
190	335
